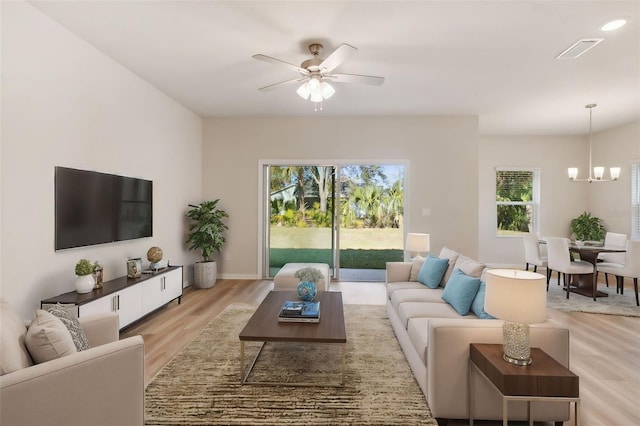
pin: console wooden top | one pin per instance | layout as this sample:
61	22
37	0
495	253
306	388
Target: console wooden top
544	377
108	287
265	327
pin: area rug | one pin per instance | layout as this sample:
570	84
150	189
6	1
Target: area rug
614	304
201	385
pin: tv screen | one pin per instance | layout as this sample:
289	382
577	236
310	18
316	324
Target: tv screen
95	208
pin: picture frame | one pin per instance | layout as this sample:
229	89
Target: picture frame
134	268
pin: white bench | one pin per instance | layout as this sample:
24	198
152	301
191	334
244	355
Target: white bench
285	279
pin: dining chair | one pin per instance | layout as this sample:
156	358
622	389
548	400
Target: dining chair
629	269
559	259
613	239
532	254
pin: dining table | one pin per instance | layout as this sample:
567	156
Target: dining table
585	284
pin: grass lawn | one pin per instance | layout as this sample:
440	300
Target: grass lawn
359	248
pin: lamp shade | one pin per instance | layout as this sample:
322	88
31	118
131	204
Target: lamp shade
417	243
517	296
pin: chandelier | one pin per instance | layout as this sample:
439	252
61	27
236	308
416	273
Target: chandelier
598	172
316	90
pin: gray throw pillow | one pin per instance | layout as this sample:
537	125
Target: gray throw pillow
73	325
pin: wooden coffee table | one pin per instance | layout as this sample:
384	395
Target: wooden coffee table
264	327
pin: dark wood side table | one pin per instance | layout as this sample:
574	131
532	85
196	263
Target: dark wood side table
544	380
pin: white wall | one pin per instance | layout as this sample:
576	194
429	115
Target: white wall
560	199
611	201
66	104
443	171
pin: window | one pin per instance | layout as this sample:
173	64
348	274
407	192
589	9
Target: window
635	201
517	201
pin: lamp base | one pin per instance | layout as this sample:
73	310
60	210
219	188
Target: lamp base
516	343
516	361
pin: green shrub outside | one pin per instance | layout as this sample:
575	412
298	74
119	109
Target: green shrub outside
349	258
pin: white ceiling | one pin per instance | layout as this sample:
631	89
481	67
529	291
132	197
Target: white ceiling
491	59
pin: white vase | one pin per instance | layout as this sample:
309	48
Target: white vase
84	283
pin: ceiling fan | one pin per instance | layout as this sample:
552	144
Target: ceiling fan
316	73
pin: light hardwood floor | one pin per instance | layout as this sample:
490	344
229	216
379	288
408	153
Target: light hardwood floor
605	349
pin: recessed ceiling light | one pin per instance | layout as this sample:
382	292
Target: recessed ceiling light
614	25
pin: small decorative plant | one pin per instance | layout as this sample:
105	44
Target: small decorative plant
205	231
588	228
84	267
309	274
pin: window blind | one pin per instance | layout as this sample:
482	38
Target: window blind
635	201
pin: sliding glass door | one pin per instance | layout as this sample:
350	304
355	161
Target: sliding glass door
349	216
301	216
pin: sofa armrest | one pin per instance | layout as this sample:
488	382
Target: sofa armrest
100	328
398	272
448	360
100	386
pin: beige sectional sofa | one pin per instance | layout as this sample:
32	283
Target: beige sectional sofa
103	385
435	340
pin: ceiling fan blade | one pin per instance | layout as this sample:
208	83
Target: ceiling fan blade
278	61
338	56
356	78
282	83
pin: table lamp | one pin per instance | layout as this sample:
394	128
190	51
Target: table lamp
519	298
417	243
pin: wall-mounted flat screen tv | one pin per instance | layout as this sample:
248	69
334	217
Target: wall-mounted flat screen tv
96	208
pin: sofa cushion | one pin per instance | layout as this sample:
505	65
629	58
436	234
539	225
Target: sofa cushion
452	255
469	266
401	285
409	310
72	324
477	306
13	350
418	330
432	271
47	338
416	295
460	291
416	266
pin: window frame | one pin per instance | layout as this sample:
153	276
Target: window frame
534	203
635	200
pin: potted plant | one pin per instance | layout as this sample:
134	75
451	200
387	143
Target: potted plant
84	271
205	234
587	228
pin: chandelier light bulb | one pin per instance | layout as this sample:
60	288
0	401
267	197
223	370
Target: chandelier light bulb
573	173
615	173
598	173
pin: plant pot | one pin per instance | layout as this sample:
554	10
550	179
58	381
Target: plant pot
84	283
204	274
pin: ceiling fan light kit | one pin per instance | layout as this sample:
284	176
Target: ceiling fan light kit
315	72
598	171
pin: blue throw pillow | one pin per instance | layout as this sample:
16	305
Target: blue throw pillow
460	291
477	306
432	271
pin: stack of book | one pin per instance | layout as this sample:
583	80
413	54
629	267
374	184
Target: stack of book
296	311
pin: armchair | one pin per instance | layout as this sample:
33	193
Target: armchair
103	385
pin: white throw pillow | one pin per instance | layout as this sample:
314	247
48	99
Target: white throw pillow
447	253
416	265
469	266
47	338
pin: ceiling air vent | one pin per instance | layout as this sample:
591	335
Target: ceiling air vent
578	48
